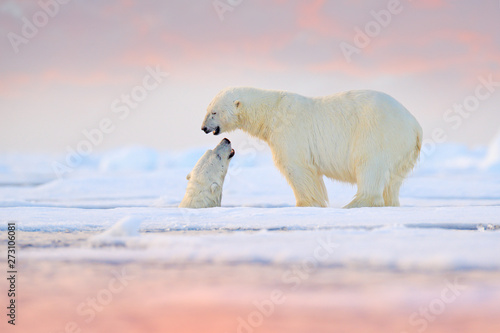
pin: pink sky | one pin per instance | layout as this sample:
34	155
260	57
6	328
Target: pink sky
66	77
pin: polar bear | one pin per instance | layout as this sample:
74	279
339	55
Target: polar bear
361	137
205	181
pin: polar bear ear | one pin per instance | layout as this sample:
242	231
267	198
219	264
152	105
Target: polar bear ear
237	103
188	177
214	187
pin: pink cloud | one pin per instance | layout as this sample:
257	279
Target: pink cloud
430	4
100	43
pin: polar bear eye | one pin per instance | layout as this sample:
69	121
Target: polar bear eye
218	156
214	113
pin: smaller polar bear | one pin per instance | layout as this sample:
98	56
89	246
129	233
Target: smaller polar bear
206	179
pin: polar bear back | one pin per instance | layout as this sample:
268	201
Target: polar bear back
340	132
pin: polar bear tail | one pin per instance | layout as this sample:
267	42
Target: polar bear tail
418	146
408	163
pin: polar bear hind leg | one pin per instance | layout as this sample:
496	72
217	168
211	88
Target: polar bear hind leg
372	178
402	170
391	191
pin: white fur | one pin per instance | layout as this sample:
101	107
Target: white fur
205	181
364	137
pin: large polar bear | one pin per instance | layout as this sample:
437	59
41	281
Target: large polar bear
205	181
364	137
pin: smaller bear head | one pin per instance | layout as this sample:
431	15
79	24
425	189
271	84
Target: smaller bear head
211	168
222	113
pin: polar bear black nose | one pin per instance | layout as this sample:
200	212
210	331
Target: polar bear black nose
205	129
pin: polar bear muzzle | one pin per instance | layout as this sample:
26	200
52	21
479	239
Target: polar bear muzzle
216	131
224	145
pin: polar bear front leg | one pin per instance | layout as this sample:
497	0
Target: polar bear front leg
308	187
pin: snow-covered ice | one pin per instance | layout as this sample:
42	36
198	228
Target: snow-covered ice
118	210
450	205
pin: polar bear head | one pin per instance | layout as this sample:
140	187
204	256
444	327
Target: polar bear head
207	177
213	164
222	112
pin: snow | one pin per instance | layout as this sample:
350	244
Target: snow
129	159
118	233
492	159
116	214
121	206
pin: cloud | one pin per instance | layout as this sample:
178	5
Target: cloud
118	36
107	45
